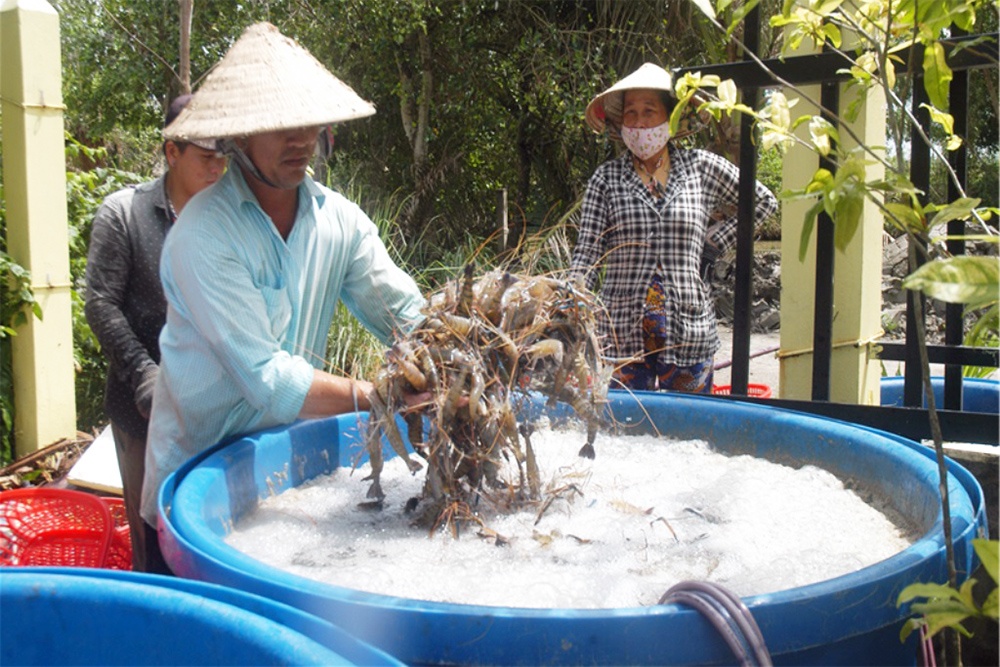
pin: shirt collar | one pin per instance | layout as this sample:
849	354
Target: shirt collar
307	188
158	189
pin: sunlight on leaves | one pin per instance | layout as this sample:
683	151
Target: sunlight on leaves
972	280
960	209
937	75
727	92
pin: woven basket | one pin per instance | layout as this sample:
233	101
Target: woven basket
119	556
754	390
56	527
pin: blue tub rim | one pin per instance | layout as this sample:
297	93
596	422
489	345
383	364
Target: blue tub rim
902	562
967	483
316	637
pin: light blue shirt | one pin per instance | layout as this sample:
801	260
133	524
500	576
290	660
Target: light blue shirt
249	312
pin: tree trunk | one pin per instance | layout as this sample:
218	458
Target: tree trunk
186	12
415	108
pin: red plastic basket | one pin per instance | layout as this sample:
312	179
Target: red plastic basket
119	556
755	390
59	527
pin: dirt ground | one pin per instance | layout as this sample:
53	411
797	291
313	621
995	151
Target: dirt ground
764	365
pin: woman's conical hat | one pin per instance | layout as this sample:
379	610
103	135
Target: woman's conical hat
608	105
266	82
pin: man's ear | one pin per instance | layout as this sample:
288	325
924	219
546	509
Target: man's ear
172	152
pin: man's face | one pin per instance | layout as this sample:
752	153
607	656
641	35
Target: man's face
283	156
193	167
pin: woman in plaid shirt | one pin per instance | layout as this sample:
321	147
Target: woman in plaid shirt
653	221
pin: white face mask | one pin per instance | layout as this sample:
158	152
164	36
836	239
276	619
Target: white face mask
645	142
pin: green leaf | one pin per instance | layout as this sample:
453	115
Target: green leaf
779	21
801	119
965	17
676	116
807	227
930	591
905	217
706	8
949	619
739	14
848	216
960	209
832	33
828	7
727	92
990	605
963	279
819	133
795	195
989	555
944	119
937	75
950	607
965	594
909	627
821	181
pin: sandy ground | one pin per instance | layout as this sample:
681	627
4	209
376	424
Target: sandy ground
764	366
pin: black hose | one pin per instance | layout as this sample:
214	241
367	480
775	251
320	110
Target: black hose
740	612
728	615
718	620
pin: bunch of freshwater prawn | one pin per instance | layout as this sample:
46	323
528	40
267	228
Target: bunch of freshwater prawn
484	345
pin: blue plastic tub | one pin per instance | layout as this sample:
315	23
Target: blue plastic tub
977	395
71	616
851	619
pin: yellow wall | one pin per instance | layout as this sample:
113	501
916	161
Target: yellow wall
37	231
857	298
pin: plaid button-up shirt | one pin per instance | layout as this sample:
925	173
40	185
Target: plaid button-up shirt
626	237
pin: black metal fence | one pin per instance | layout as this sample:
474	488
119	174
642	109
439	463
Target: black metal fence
912	421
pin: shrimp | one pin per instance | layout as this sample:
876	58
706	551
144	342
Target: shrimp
484	342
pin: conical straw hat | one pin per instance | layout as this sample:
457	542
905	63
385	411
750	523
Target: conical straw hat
608	105
266	82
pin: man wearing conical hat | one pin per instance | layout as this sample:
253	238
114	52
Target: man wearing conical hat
654	219
256	264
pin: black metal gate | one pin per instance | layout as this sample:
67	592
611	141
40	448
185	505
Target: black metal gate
911	421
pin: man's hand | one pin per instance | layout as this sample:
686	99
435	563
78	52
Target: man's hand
418	400
144	392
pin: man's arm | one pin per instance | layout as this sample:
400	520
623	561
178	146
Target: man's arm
333	395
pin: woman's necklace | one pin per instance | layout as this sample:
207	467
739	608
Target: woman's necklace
171	211
653	180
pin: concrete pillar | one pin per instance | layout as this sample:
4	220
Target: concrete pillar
34	167
857	298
